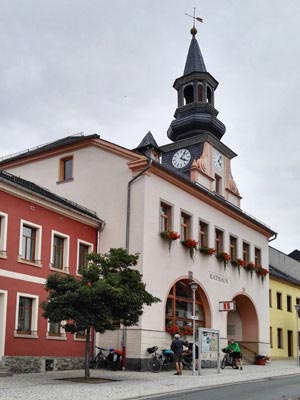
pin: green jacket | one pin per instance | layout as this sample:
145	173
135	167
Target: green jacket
233	347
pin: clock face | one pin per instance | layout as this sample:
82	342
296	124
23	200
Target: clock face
218	160
181	158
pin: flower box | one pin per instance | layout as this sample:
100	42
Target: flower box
190	244
207	250
170	236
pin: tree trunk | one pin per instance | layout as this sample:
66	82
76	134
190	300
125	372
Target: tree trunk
87	354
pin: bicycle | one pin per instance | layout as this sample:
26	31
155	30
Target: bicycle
227	359
111	361
159	361
187	360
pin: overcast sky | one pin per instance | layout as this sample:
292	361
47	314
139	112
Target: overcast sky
108	67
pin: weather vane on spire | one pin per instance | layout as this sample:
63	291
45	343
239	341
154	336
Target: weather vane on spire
194	30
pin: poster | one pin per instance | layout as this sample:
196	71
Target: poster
209	340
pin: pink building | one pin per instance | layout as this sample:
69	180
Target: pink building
40	233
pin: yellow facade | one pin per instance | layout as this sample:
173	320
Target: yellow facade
283	317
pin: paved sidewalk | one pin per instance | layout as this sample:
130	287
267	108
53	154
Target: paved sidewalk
131	385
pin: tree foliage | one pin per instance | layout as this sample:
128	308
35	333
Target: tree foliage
109	290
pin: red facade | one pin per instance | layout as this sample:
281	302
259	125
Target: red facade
22	280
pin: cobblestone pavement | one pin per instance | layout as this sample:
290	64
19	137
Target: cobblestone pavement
131	385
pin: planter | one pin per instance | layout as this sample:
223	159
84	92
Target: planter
260	362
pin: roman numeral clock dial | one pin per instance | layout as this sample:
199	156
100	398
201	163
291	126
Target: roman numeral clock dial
181	158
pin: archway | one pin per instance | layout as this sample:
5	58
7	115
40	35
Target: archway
179	308
242	324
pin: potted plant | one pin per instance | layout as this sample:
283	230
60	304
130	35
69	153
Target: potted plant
190	244
260	360
170	236
207	250
224	258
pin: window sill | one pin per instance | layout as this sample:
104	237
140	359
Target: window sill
64	270
26	335
3	254
56	337
36	264
79	339
66	181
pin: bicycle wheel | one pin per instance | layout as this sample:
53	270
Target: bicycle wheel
187	362
153	364
166	365
223	363
99	362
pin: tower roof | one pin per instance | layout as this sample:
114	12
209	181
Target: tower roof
147	141
194	61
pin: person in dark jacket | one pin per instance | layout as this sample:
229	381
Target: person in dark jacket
177	348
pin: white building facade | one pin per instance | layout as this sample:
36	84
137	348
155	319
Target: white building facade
184	188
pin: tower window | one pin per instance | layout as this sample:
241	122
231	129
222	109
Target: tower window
209	95
188	94
218	184
200	88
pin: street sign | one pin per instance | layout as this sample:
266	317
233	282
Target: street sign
227	305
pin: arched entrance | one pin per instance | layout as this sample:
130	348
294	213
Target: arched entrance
242	324
179	307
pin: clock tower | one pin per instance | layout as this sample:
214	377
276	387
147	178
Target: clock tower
197	152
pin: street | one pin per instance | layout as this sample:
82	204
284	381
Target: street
279	388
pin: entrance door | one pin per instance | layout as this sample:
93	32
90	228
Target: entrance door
290	343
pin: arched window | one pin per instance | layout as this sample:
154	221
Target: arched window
188	94
200	88
209	94
179	308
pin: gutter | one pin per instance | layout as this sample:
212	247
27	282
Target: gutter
129	202
124	334
273	238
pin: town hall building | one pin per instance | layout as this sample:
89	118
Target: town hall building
178	206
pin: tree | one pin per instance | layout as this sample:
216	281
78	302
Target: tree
109	290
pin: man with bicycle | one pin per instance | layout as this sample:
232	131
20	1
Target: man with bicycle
177	348
234	348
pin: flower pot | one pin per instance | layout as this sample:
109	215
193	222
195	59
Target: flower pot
260	362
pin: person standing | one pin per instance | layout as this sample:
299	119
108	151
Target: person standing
177	348
235	350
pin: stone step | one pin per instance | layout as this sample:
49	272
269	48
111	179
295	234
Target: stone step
5	372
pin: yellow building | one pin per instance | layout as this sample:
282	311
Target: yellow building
284	294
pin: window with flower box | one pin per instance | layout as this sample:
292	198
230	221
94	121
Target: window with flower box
219	241
203	234
165	217
180	306
233	247
257	257
246	252
185	225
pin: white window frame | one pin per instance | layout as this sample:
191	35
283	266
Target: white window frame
3	234
90	250
66	239
62	336
3	315
38	243
34	315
